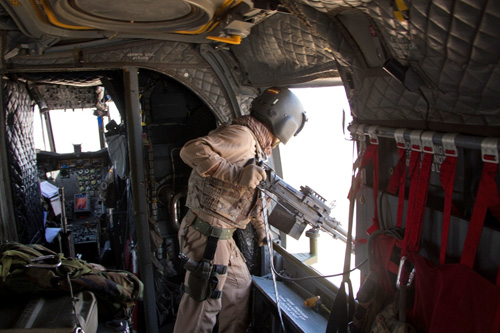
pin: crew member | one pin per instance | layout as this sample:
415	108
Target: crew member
222	196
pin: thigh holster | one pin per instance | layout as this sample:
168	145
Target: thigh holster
204	276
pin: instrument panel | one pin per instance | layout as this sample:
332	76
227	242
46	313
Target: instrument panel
82	179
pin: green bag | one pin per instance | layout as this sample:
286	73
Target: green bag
34	269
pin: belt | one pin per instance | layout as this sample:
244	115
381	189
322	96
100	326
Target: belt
207	229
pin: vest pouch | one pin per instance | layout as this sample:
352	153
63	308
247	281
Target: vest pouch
202	282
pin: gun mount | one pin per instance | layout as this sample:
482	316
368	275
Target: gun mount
295	209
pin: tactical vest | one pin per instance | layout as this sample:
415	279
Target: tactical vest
233	204
230	203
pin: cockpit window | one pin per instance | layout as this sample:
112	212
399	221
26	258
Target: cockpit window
73	129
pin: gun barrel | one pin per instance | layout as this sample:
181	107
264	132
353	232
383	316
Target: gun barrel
335	230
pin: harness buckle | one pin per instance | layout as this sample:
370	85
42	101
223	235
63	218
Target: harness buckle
415	142
449	145
400	138
372	134
489	150
427	143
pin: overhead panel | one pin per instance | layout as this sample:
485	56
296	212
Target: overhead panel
124	18
134	15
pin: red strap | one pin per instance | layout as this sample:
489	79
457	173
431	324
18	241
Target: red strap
498	284
367	157
398	181
416	202
399	171
375	226
401	201
371	155
447	175
413	174
487	197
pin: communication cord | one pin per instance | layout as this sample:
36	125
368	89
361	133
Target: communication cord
271	251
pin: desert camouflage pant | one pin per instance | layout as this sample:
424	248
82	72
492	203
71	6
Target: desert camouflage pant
232	309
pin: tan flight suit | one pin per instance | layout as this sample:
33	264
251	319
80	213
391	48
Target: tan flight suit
230	147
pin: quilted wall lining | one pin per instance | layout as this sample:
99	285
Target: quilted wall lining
452	43
282	49
22	160
455	46
373	95
180	61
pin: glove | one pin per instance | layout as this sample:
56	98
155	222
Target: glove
262	237
251	176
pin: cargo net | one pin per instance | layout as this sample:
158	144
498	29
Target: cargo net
21	154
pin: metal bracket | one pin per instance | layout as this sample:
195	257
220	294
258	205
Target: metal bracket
415	142
360	130
372	134
489	150
399	136
360	137
427	144
449	145
353	128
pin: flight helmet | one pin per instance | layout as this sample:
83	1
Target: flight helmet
281	111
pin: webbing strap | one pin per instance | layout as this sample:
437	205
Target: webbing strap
401	195
370	155
397	183
447	176
486	197
343	307
342	310
213	234
207	229
413	174
421	197
375	225
210	248
416	203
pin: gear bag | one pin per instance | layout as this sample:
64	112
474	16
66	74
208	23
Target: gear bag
378	291
34	269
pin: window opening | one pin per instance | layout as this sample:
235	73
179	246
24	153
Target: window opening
73	127
321	158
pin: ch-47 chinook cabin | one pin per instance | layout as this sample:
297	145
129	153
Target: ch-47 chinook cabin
383	213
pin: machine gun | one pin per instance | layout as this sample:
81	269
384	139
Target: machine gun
295	209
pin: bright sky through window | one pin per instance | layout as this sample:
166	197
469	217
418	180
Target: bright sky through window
321	157
78	126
